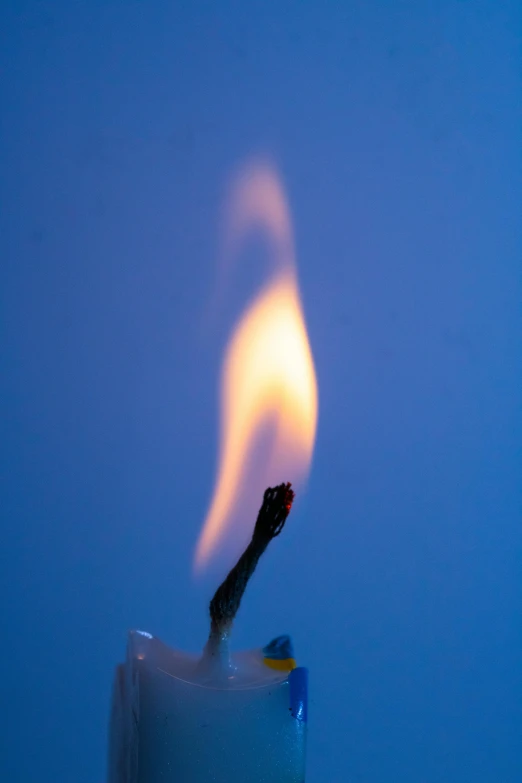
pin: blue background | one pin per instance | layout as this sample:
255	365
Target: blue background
397	129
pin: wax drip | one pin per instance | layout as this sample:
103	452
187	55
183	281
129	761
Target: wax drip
277	502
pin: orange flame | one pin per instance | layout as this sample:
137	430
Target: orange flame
268	374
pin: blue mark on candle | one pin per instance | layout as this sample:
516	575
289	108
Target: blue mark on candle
279	648
298	682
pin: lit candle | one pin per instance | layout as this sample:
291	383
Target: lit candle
223	717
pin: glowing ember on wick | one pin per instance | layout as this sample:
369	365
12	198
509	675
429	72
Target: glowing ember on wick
268	374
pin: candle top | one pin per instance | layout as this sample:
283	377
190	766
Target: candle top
257	668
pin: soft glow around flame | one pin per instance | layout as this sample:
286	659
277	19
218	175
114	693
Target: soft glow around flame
268	373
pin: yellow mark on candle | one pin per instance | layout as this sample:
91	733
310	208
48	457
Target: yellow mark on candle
268	375
285	665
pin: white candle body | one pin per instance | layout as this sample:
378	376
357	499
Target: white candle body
173	722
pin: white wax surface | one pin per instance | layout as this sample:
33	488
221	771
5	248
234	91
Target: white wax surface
175	720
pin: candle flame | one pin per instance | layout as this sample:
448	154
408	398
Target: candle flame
268	375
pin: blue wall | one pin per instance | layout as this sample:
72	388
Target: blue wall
397	129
